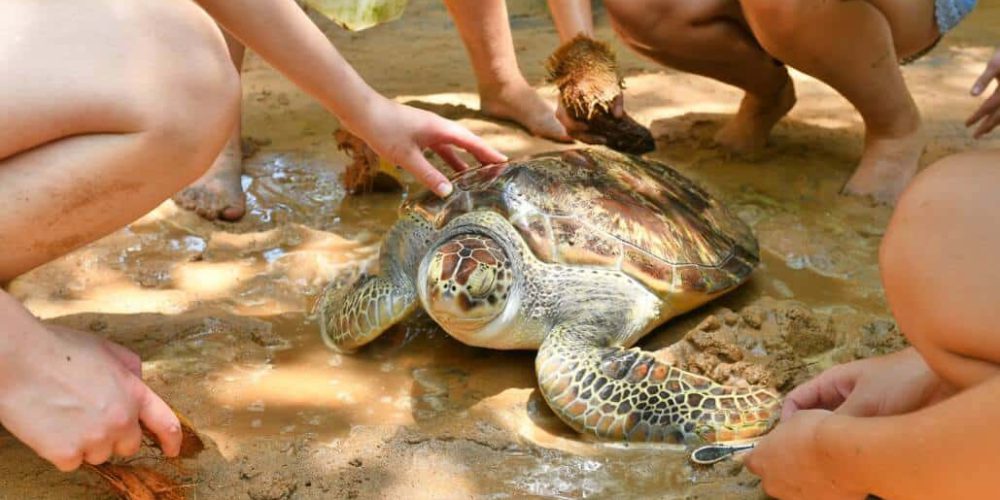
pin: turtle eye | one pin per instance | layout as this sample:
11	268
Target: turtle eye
481	281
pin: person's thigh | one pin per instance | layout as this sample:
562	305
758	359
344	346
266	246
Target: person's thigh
100	66
650	24
912	22
109	107
940	263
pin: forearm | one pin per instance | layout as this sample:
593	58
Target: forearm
572	17
947	450
281	33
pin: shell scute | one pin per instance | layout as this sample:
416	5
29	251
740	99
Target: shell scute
595	207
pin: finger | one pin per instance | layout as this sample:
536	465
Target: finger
753	461
618	106
127	357
129	443
858	407
988	125
67	460
98	453
827	391
450	157
575	127
991	71
161	421
461	137
741	457
426	174
556	131
789	408
977	115
572	126
988	107
802	397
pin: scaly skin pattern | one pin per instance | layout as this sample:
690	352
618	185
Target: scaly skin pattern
352	317
578	255
627	395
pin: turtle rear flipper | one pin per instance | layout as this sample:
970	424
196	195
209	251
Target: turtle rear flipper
628	395
586	72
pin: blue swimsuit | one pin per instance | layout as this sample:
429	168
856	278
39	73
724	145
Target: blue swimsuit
949	13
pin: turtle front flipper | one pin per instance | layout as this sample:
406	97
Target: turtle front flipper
352	317
628	395
356	316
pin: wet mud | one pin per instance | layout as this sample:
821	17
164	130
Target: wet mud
220	312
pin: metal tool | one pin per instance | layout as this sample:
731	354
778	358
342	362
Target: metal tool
712	453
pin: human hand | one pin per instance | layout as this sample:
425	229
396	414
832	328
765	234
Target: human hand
73	397
400	133
887	385
580	130
791	464
988	114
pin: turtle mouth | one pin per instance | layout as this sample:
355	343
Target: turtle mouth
461	322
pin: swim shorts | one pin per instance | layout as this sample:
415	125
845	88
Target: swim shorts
949	13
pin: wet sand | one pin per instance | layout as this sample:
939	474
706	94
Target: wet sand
220	312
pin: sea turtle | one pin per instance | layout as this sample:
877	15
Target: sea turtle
577	254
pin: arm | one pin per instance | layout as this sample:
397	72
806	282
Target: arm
284	36
948	450
73	397
895	421
281	33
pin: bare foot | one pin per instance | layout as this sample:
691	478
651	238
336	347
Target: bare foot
218	194
887	165
521	104
748	131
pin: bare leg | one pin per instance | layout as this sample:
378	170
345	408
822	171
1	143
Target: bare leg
108	119
109	106
854	46
219	193
572	17
503	91
939	266
711	38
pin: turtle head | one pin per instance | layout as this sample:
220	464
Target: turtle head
467	281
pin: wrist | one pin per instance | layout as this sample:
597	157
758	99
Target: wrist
843	446
359	112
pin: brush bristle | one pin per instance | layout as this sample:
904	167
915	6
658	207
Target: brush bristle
586	72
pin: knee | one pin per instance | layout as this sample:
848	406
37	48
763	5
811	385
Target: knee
192	98
939	245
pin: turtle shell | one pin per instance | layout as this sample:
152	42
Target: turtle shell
595	207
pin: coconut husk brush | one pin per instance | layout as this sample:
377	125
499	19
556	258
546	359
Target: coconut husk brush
586	72
367	173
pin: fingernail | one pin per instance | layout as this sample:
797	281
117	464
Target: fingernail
977	90
443	189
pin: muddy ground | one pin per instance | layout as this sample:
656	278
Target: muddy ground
220	312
